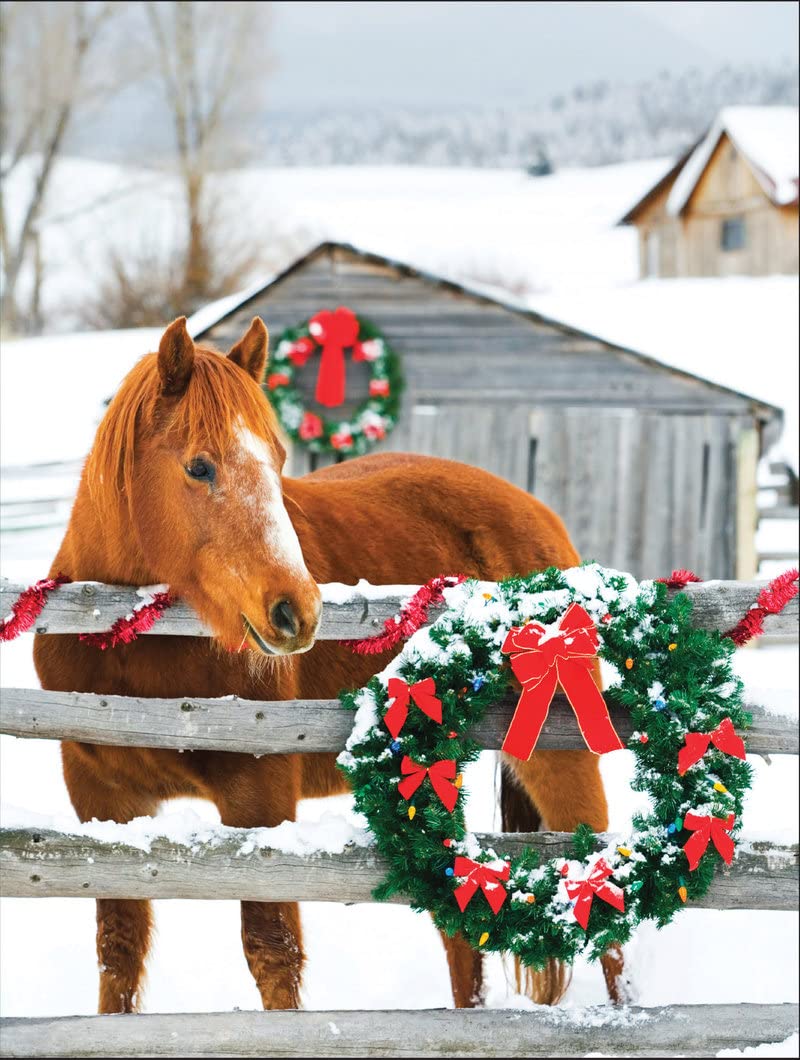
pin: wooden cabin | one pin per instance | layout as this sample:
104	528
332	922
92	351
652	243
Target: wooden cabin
651	468
729	206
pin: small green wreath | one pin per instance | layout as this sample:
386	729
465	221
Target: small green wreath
684	700
331	333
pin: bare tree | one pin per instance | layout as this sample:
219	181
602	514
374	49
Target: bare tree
45	70
213	65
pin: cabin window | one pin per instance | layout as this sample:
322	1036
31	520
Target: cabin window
733	235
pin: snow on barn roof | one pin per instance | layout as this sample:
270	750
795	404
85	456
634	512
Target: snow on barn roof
766	136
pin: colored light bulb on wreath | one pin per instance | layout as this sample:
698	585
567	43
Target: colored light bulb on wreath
478	682
484	938
718	786
629	663
672	646
448	871
412	812
395	747
659	704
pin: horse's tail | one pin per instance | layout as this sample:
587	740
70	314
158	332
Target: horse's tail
518	814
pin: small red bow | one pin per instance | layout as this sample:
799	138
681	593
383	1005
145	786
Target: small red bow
485	875
706	829
333	331
596	883
442	775
724	738
422	693
543	657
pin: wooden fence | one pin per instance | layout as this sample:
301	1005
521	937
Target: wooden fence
40	863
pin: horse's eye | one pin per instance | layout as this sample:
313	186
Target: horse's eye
201	469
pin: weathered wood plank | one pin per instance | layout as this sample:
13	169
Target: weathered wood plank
684	1030
275	727
93	607
38	863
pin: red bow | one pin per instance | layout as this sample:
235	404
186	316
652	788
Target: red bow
442	775
483	875
707	828
422	693
723	737
333	331
541	658
596	883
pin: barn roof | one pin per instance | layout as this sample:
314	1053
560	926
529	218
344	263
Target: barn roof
213	314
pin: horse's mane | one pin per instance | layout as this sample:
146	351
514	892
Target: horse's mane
219	397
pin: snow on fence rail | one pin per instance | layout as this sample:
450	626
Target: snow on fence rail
683	1030
107	861
119	861
349	612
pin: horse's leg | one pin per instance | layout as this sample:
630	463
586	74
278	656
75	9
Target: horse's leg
124	926
256	793
559	789
466	971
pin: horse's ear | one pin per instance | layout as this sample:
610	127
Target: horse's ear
250	352
175	358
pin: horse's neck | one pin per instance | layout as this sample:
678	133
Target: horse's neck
96	550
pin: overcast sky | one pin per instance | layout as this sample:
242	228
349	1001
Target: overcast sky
428	53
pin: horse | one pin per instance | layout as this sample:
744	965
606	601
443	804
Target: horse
183	485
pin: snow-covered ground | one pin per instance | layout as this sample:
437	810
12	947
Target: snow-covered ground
553	238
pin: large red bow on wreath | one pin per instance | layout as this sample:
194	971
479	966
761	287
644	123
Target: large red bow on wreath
487	876
333	331
422	693
596	883
442	774
724	738
708	829
545	656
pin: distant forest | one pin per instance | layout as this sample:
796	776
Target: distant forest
594	124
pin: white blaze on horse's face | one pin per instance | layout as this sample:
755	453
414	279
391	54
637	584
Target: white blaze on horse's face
267	501
288	621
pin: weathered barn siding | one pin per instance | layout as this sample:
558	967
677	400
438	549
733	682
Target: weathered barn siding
640	461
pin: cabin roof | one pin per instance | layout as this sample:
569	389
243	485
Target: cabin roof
767	137
664	183
207	318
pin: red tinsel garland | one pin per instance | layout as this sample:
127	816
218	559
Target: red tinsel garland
413	615
771	600
127	629
28	606
679	579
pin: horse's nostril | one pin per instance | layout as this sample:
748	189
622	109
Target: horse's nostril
284	618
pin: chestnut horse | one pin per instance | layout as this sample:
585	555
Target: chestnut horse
183	485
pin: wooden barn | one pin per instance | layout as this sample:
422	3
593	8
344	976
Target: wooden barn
650	468
729	206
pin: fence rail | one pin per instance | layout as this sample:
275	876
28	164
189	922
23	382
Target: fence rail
231	864
252	726
91	607
684	1030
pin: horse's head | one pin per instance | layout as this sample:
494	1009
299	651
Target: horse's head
191	443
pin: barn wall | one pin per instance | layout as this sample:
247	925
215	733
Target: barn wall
620	448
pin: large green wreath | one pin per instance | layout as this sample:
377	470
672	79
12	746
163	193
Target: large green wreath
673	679
372	420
